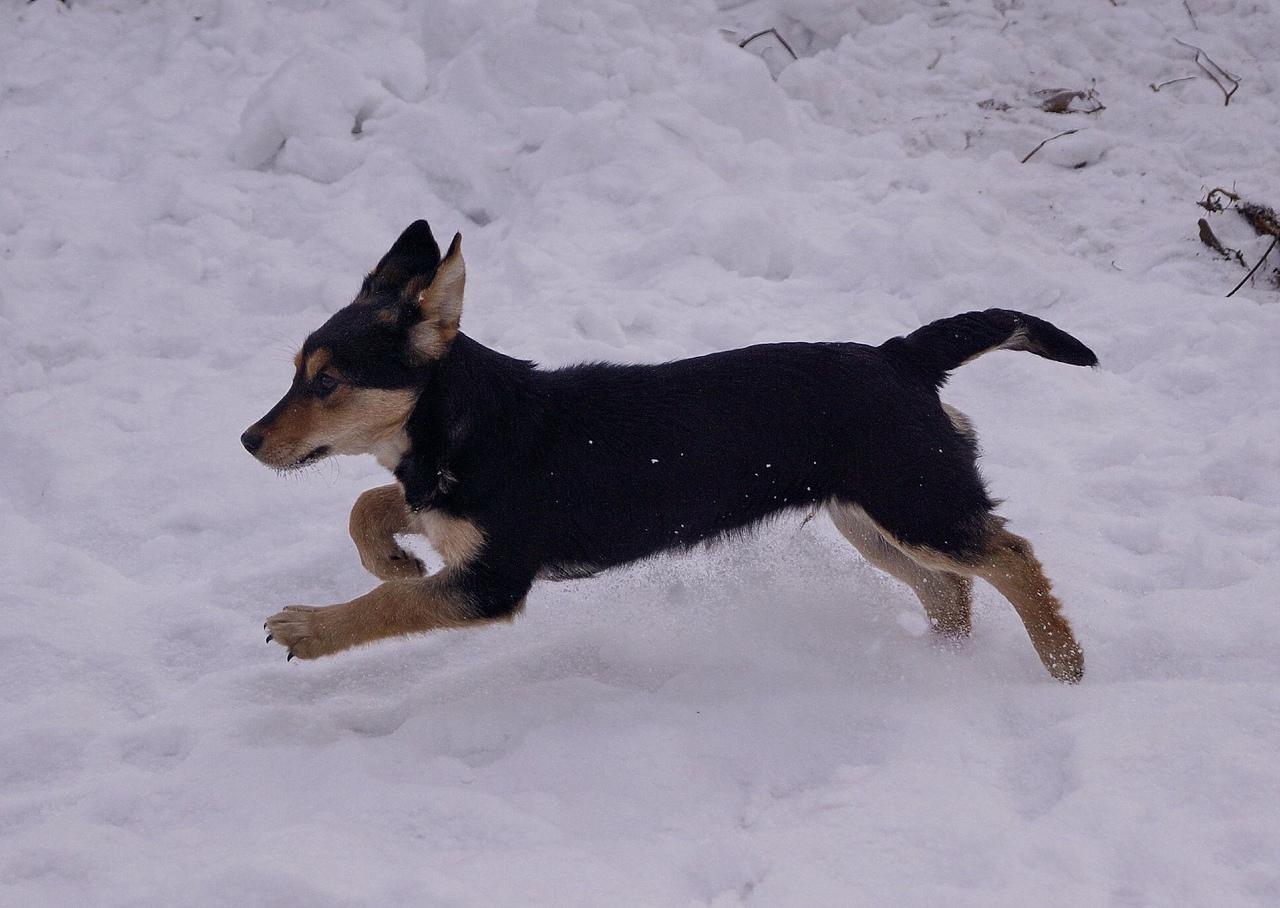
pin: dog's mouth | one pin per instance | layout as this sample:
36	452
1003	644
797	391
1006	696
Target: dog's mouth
297	464
310	457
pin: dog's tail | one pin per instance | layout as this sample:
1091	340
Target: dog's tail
941	346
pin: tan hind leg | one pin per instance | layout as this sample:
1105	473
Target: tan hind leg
378	515
1010	565
945	595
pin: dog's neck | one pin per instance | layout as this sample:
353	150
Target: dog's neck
473	404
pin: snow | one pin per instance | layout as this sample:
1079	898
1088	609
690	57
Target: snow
187	189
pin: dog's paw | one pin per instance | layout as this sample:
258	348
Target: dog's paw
1067	664
307	632
394	565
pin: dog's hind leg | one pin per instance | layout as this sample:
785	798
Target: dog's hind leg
377	516
945	595
1008	563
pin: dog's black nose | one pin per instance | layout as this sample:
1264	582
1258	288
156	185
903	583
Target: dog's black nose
251	442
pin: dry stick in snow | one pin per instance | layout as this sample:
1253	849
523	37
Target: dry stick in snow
1048	140
1210	202
1187	7
1157	86
1255	268
1234	80
770	31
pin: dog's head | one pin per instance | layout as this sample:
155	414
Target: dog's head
358	376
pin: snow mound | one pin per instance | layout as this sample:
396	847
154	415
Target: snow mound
306	117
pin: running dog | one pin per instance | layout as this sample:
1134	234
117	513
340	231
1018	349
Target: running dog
516	473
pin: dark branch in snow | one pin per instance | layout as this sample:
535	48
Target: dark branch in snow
1187	7
1234	80
1254	269
770	31
1047	141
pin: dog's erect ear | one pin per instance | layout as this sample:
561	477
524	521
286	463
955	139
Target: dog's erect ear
438	304
414	255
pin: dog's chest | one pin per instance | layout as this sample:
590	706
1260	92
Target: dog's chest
390	452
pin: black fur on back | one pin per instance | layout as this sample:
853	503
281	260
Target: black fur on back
576	470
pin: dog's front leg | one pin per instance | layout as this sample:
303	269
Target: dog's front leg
377	516
393	609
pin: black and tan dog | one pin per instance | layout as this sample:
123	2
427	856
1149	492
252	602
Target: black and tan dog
515	473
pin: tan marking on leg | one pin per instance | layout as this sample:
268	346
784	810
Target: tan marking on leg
1009	564
392	609
377	516
1011	567
456	540
946	596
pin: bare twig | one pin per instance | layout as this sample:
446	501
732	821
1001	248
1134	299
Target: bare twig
770	31
1210	202
1047	141
1156	86
1187	7
936	60
1254	269
1234	80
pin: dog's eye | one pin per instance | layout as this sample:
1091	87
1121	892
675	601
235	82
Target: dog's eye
324	384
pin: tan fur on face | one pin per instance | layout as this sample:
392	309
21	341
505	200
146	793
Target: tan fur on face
315	362
351	420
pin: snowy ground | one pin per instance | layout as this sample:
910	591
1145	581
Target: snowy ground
186	189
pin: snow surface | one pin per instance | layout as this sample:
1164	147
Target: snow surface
186	189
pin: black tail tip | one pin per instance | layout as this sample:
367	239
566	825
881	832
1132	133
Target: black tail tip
1053	343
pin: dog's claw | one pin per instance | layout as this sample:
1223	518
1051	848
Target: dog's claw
289	658
270	637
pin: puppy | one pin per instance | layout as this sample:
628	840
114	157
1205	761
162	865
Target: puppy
516	473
